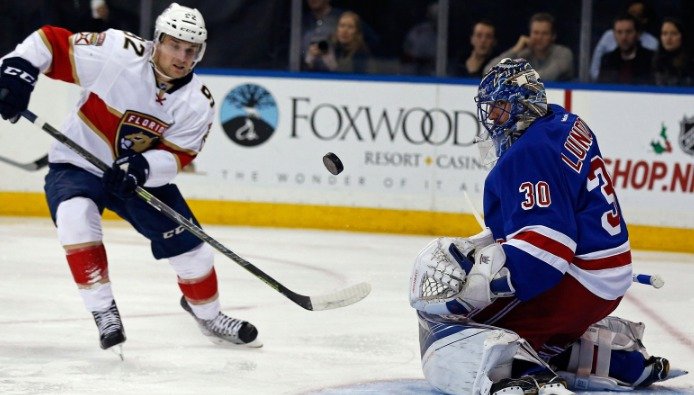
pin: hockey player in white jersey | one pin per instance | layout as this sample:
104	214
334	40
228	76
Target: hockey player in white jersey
144	110
523	307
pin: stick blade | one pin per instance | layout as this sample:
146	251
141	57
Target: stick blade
341	298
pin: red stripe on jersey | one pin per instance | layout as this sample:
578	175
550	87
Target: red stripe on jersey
100	119
199	290
604	263
545	243
183	158
61	65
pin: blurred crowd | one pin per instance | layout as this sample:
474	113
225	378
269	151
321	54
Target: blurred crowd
631	41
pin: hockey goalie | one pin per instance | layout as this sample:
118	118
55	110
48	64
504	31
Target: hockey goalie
524	306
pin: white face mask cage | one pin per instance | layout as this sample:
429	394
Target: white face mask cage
487	149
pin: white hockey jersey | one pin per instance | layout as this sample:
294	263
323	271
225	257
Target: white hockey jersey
122	110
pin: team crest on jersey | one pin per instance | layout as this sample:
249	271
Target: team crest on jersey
686	137
138	132
90	38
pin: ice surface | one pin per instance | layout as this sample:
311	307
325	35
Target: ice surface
49	344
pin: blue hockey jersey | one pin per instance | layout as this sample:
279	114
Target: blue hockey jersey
551	201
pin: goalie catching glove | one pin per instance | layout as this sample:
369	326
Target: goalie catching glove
445	280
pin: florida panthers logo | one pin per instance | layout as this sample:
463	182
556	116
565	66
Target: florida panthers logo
137	133
137	142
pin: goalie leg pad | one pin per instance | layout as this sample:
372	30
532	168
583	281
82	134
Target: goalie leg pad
609	356
465	358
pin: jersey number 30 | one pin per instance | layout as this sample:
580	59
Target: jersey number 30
599	177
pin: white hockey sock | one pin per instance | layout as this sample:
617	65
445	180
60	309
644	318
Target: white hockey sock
98	297
206	311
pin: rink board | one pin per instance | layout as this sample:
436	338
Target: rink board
407	150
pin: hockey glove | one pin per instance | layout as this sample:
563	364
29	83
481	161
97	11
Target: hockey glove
467	246
126	175
17	80
487	280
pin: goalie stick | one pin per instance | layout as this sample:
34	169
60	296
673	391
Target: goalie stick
340	298
31	166
654	280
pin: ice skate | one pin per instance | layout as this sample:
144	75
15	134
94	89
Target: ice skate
111	332
656	369
542	384
225	330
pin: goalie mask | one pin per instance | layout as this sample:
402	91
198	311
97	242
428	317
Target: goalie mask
510	97
182	23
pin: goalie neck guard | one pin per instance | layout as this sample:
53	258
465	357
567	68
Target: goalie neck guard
513	92
182	23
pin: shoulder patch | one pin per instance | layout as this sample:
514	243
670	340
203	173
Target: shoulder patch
96	39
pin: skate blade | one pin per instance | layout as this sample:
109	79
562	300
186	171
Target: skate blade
257	343
118	350
674	372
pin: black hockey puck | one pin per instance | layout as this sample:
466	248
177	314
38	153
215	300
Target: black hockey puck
333	163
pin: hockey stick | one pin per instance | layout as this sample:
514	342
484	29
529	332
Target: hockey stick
341	298
31	166
654	280
648	279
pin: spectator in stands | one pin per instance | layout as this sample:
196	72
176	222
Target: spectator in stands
630	63
319	23
351	52
344	52
552	61
419	48
643	14
320	55
483	41
673	62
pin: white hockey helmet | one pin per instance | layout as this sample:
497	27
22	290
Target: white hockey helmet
183	23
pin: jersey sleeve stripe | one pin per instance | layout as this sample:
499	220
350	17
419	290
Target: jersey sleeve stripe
59	44
542	242
604	263
624	247
608	284
556	261
183	157
547	232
